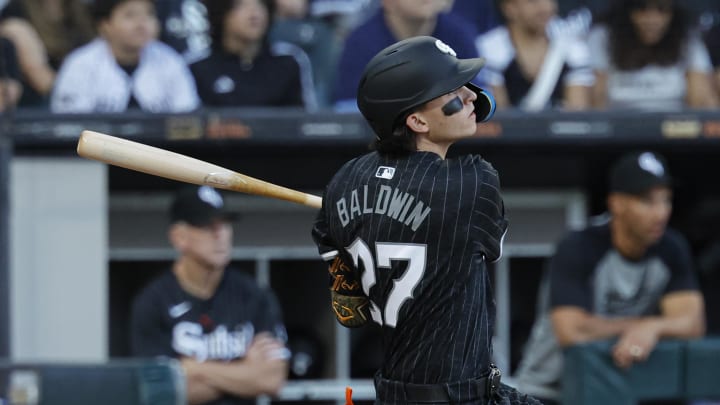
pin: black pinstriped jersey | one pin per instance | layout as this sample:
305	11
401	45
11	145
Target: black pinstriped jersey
167	321
418	230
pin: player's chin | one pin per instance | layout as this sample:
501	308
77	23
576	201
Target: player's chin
220	258
655	234
471	128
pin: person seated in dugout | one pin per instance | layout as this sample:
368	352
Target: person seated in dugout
226	330
626	276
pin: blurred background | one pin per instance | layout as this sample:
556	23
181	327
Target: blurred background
78	239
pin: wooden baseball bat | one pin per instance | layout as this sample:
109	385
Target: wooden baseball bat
160	162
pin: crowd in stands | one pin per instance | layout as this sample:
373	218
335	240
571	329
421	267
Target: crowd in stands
181	55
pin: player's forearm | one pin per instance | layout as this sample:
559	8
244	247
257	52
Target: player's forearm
237	378
687	326
198	390
596	328
682	315
575	326
200	393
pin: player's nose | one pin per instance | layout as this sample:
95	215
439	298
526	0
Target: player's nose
468	95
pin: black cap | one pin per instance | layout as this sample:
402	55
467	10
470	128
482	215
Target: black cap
199	206
637	173
412	72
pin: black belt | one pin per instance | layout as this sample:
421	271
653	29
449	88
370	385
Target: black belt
484	387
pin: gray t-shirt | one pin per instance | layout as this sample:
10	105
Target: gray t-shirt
652	87
588	272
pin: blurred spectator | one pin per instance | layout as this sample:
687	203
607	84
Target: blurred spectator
528	69
227	331
482	14
626	276
294	24
576	23
44	33
712	40
343	15
10	86
394	21
184	26
291	9
244	69
125	67
647	55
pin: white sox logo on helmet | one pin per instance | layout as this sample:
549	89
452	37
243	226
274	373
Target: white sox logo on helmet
445	48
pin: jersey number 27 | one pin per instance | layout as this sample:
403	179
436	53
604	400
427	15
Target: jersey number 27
403	286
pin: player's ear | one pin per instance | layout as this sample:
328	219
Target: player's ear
176	235
614	203
417	122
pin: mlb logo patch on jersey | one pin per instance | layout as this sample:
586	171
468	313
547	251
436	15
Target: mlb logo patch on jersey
385	172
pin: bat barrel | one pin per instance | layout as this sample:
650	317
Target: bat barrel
160	162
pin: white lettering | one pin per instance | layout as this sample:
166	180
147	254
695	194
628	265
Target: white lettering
220	344
405	209
187	340
354	204
397	202
342	211
366	209
417	216
389	201
382	200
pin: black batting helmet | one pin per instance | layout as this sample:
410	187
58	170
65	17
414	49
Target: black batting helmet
412	72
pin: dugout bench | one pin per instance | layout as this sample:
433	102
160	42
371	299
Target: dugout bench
676	369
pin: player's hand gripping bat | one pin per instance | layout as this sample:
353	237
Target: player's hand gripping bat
160	162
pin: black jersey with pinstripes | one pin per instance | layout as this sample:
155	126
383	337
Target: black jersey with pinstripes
168	321
419	230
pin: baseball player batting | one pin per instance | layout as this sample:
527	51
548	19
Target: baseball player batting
407	233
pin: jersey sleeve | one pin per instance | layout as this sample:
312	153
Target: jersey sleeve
10	68
490	210
184	96
598	43
569	284
294	96
495	47
697	56
148	335
70	92
270	317
325	229
321	236
578	61
299	69
677	255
